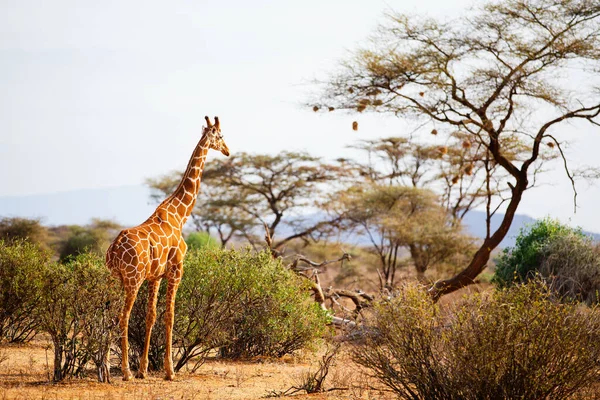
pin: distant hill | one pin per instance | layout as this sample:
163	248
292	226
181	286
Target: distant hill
131	205
474	223
128	205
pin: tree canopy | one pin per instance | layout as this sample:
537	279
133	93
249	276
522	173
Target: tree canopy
492	76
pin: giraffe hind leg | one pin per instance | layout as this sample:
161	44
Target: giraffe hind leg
150	320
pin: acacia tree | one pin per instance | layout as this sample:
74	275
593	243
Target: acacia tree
281	190
401	218
492	75
244	193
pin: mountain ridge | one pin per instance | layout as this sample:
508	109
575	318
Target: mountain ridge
131	205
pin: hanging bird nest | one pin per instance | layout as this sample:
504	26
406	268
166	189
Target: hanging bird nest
434	132
354	126
469	170
374	92
315	108
443	150
550	144
331	108
455	180
421	94
466	144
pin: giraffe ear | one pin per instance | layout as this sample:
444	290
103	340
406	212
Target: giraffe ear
209	125
217	123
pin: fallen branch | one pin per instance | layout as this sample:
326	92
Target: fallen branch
360	299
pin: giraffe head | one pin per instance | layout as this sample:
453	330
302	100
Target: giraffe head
215	138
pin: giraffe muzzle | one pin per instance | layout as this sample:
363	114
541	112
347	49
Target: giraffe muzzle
225	150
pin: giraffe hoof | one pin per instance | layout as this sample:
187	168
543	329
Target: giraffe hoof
127	376
140	375
170	376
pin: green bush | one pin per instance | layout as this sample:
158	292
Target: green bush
208	301
521	263
515	343
21	266
276	315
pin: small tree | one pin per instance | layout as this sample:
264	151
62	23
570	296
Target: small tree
32	230
79	308
492	76
95	237
241	302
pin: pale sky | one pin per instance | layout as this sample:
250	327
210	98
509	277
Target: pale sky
100	94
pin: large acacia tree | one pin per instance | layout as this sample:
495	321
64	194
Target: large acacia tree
494	75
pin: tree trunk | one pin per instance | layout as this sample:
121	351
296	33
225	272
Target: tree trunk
482	256
420	262
58	351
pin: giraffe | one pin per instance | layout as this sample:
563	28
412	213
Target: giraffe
155	249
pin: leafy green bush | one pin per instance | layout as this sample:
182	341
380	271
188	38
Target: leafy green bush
276	314
520	263
515	343
78	308
21	266
209	299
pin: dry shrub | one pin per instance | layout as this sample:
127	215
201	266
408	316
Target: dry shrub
571	265
516	343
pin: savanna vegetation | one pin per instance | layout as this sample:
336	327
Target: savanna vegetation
356	259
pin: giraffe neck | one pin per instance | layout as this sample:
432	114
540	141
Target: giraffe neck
182	201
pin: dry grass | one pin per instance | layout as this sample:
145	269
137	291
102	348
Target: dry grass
25	375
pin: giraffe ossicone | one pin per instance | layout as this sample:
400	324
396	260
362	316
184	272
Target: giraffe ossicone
155	250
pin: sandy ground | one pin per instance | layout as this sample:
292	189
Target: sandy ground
24	374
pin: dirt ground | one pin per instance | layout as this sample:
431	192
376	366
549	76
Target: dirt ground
25	372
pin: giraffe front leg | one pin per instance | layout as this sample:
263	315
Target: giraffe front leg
150	320
169	319
130	295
